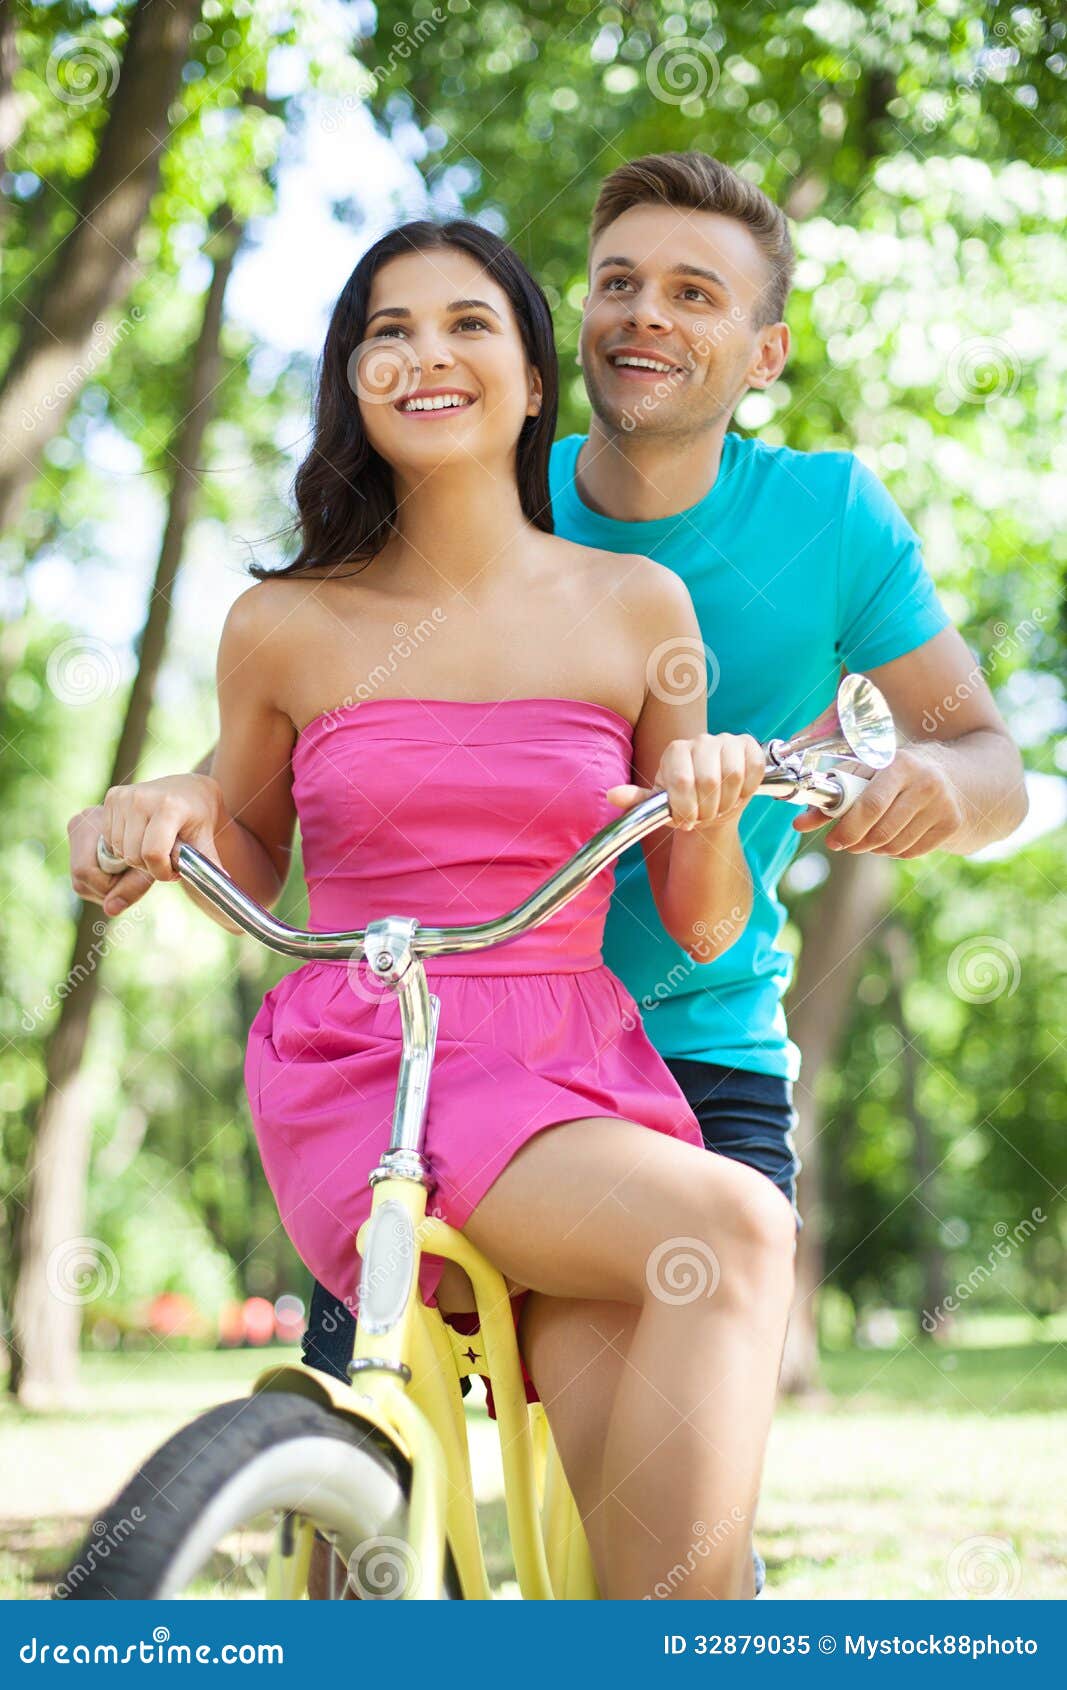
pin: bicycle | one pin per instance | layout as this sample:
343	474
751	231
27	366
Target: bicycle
381	1467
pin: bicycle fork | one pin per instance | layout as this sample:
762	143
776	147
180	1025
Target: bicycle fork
394	1323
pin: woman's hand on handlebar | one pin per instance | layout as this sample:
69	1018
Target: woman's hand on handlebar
708	780
144	823
115	892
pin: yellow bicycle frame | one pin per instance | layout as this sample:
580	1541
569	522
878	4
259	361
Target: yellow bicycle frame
409	1393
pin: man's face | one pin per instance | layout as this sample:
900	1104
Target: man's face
682	290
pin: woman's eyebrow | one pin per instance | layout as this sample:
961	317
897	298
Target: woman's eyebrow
455	305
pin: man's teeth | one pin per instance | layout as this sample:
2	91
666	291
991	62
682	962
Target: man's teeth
645	364
439	403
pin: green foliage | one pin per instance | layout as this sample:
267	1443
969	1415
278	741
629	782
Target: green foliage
919	150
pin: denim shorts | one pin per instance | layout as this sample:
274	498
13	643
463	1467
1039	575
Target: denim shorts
747	1116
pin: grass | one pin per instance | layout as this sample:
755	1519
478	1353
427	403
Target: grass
916	1472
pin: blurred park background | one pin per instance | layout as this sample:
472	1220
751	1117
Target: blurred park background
184	188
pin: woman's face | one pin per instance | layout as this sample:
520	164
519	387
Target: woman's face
441	373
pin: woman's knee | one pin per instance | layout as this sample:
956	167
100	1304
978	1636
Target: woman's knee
753	1236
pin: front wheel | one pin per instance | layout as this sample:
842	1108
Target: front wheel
228	1508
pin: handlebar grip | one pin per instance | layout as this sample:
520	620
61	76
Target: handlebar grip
106	858
852	788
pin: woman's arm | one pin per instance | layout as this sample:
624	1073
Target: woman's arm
696	865
241	815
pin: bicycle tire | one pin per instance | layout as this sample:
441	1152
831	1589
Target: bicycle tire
239	1460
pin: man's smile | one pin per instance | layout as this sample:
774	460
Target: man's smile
642	363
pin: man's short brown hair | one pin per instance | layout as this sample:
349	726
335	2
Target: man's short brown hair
698	182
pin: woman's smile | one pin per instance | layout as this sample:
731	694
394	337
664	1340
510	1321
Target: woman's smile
435	402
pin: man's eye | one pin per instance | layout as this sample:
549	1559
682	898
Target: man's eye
610	284
697	293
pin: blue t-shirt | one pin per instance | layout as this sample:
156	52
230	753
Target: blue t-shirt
797	563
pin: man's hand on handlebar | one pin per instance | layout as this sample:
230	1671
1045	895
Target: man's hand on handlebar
907	810
708	780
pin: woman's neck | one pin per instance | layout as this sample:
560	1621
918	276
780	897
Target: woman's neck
458	527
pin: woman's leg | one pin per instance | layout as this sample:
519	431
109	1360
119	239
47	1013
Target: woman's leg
702	1249
575	1350
568	1344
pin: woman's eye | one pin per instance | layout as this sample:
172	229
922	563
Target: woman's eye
393	329
472	323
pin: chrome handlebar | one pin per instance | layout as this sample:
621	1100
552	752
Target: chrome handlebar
832	791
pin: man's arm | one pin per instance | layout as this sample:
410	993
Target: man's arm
956	783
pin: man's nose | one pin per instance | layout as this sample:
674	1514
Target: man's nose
648	311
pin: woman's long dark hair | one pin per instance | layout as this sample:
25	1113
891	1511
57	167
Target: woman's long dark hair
344	490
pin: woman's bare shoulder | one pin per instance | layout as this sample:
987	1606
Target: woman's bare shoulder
639	584
277	606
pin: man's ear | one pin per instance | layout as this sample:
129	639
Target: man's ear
770	360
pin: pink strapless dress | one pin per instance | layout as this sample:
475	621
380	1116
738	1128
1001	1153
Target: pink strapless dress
451	812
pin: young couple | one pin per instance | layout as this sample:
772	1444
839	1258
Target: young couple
629	610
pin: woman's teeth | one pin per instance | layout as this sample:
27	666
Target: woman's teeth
443	402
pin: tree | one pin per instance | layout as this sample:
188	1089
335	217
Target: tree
93	267
47	1327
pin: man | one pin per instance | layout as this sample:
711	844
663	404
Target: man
800	565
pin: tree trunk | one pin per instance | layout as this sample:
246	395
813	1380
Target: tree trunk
10	106
847	915
93	268
58	1269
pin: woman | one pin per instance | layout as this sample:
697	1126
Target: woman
452	700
